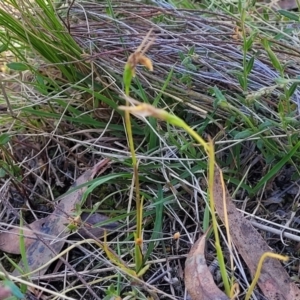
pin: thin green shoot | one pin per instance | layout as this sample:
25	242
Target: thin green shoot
135	58
146	110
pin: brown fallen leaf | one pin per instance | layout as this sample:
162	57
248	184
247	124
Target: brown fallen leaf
43	248
197	277
10	239
10	243
274	281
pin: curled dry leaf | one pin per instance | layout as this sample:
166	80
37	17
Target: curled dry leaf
197	277
274	281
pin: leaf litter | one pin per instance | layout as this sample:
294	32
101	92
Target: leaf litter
9	241
44	238
273	281
198	279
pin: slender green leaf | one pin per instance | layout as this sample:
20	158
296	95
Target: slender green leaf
206	218
3	47
290	15
250	41
243	134
275	61
242	81
181	55
127	78
86	120
2	173
4	139
249	65
240	6
101	180
275	169
17	66
292	89
186	61
219	96
192	50
266	15
157	228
